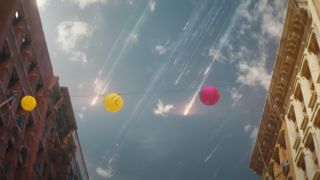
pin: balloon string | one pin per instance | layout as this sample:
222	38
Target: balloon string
135	93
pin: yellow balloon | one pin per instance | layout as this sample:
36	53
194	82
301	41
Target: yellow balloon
113	102
28	103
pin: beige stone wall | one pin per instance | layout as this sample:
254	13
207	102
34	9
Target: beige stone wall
302	119
296	153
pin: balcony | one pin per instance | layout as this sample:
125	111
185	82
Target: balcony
307	134
296	144
313	99
300	156
304	122
316	117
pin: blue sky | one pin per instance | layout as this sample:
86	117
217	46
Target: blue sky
158	54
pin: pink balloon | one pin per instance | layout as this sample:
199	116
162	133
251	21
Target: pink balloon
209	95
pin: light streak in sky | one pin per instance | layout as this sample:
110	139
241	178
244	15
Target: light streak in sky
195	31
221	43
117	56
211	154
127	43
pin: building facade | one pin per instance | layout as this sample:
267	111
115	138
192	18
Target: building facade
42	144
288	142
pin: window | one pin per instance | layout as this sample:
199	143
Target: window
45	128
25	42
292	117
19	108
313	45
5	52
9	94
24	153
32	65
311	148
30	124
302	165
13	79
305	71
298	94
40	149
317	119
281	139
1	122
6	168
19	165
45	169
48	111
18	16
37	167
19	121
9	147
39	85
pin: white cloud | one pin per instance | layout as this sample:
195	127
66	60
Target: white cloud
160	49
216	54
260	29
99	88
246	128
152	5
70	34
251	130
107	173
133	38
253	74
84	3
269	14
42	4
254	133
236	96
271	26
163	109
81	116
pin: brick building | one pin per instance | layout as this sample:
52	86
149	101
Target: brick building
42	144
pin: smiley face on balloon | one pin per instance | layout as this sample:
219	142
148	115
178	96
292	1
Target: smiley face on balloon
113	102
28	103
